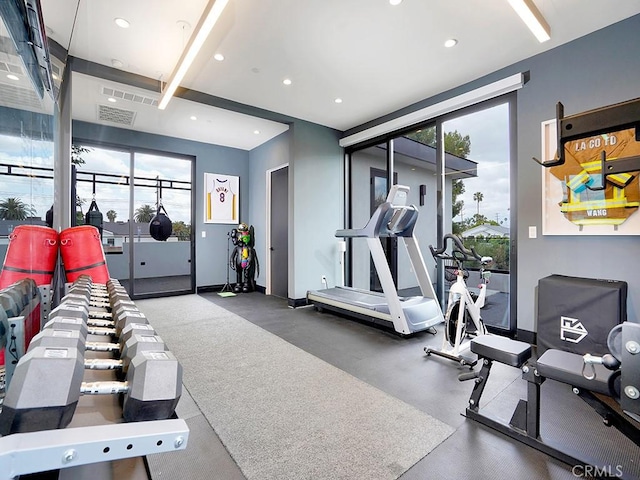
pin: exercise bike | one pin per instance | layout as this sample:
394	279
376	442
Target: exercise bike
462	317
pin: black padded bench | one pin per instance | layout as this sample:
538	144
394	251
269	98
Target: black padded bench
567	368
501	349
555	364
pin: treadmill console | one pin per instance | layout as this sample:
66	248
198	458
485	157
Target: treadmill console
398	195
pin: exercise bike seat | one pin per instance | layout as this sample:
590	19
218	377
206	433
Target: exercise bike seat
566	367
486	261
501	349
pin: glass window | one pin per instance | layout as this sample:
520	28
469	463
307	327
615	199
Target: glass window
26	141
479	200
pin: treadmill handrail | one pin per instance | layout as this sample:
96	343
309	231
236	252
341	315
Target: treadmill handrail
387	221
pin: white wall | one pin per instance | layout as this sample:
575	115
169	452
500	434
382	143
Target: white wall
316	205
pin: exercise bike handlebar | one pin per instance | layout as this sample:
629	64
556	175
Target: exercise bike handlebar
458	251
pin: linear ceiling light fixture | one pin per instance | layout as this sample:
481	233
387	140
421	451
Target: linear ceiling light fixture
532	17
209	18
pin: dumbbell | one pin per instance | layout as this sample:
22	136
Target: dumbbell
52	337
81	295
48	382
77	323
16	294
4	328
97	294
113	310
122	317
58	335
11	302
70	323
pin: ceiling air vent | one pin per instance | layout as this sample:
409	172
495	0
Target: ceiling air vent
18	97
116	115
11	68
131	97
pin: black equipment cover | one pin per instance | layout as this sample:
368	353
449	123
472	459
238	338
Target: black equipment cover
576	314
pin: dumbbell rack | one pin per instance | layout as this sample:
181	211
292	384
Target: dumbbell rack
96	434
25	305
23	453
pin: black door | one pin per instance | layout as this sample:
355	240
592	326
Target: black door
279	232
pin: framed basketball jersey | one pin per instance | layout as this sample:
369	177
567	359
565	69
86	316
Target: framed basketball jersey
221	198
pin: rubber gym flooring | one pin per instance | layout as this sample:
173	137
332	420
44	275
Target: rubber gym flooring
399	367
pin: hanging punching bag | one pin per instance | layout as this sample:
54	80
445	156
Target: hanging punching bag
49	217
94	216
160	227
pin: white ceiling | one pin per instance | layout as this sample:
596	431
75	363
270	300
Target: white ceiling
211	125
376	57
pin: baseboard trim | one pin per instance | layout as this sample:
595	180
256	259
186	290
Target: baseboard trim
209	288
527	336
297	302
217	288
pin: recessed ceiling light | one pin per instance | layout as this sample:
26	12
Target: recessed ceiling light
257	132
12	77
287	81
183	25
219	57
452	42
193	117
116	63
121	22
54	76
338	100
395	2
111	99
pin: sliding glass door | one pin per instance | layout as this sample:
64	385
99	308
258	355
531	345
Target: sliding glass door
459	170
146	266
480	203
161	194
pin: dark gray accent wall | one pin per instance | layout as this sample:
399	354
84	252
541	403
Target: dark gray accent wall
211	250
596	70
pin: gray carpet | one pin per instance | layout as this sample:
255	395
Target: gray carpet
281	412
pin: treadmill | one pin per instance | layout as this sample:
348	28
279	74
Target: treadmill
406	315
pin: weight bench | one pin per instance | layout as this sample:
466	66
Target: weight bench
558	365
